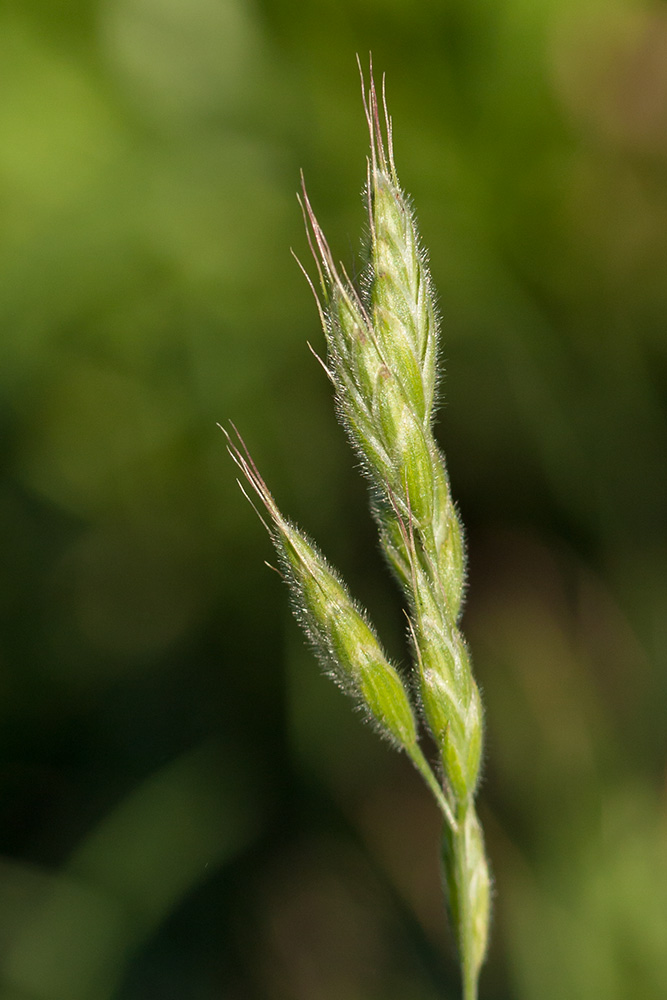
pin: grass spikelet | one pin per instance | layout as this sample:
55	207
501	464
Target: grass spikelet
337	628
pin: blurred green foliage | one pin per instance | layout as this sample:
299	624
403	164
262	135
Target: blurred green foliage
187	808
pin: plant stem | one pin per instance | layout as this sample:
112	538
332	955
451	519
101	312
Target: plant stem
424	768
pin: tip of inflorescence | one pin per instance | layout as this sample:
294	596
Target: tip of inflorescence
379	125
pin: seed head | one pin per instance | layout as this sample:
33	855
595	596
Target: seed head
338	629
382	340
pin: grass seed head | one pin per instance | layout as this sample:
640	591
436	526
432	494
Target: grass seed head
382	345
338	630
343	639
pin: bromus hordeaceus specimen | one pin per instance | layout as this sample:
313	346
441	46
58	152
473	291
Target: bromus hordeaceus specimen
381	359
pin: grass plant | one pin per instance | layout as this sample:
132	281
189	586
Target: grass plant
382	350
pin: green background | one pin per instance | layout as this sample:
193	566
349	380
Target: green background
187	808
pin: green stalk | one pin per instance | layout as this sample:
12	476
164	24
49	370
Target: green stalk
419	760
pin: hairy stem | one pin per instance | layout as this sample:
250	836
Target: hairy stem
424	768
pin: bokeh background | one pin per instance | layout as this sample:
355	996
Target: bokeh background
187	808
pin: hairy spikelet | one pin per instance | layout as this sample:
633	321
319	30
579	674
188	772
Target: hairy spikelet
337	628
382	346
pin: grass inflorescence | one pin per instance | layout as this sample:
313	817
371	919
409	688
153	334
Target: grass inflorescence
382	347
